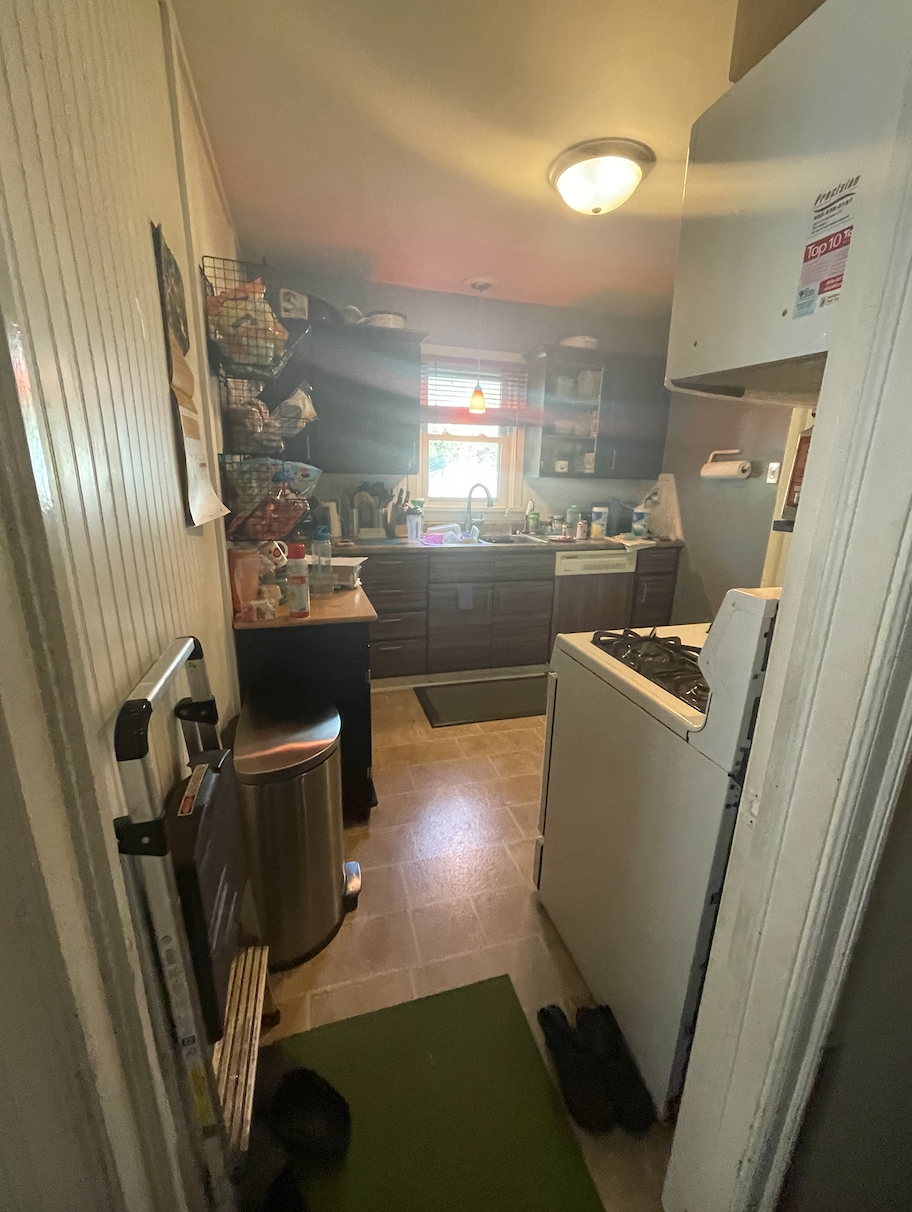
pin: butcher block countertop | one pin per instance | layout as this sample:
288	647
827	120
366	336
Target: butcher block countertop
345	606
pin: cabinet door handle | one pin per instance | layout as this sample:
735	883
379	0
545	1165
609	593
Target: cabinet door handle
644	589
388	647
390	563
414	454
614	456
389	620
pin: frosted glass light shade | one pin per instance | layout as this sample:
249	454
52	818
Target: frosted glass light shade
599	175
477	402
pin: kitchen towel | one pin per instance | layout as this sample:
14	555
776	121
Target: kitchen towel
464	597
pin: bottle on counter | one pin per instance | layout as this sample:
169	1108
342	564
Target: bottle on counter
582	529
297	582
414	516
572	516
321	573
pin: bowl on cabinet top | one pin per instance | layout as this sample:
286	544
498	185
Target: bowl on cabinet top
384	319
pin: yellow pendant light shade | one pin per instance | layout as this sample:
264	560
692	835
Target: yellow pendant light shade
597	176
477	402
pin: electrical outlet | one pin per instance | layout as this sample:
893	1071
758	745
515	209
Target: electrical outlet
772	473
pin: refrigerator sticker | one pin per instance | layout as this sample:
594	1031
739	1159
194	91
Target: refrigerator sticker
827	250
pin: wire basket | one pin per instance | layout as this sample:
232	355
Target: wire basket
246	341
267	497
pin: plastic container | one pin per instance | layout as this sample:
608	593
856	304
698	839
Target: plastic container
572	516
321	573
297	581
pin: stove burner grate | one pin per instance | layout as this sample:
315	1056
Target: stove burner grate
662	659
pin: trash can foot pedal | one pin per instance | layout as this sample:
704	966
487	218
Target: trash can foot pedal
352	886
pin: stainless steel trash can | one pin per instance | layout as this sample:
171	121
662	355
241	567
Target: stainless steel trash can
290	797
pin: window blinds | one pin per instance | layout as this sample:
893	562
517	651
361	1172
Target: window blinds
447	385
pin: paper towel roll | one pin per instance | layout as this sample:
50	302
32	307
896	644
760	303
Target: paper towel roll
727	469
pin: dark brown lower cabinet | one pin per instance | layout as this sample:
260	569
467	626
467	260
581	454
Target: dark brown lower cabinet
592	603
521	626
459	626
653	599
397	658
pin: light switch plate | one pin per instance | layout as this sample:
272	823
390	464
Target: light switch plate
772	473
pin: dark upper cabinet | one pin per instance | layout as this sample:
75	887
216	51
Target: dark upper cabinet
595	414
366	387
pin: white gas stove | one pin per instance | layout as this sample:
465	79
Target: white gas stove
639	799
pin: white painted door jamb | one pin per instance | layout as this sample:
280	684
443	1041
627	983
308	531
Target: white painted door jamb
831	749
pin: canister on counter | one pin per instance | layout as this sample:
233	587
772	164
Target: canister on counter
599	526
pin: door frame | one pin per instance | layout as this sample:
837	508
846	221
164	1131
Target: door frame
831	748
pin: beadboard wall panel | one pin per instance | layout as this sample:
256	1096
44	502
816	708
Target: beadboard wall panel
91	159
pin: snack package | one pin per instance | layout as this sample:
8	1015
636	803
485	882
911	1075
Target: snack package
244	326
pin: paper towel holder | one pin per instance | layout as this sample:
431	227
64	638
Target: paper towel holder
725	467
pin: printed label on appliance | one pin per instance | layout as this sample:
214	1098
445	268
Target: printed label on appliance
827	250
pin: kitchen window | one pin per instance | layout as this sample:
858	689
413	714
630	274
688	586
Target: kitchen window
459	448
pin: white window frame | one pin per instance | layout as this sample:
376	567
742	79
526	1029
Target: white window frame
511	441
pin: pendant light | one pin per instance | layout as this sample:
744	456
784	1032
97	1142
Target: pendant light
477	403
599	175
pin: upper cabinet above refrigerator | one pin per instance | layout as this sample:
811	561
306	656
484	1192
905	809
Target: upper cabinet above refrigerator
783	189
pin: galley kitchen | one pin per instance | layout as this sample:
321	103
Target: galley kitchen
446	522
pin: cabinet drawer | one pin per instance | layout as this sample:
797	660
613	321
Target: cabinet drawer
523	600
452	567
385	571
444	609
451	649
657	559
527	566
398	601
411	625
590	603
653	599
396	658
520	642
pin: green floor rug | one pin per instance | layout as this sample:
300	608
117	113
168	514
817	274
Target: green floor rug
452	1108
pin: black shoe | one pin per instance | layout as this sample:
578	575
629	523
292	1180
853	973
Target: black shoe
579	1073
284	1195
632	1103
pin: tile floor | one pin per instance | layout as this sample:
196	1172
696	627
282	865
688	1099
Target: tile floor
448	899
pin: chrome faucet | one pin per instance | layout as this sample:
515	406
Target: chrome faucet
469	520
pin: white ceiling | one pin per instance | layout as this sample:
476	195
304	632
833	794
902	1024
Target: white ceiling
407	142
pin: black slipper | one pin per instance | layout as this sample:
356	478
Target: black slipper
632	1103
284	1195
579	1073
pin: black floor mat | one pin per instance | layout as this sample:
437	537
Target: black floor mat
476	702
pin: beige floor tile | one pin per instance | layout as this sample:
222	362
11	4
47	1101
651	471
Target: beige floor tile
364	947
523	855
377	845
526	817
385	735
452	774
295	1018
537	980
526	723
490	743
416	753
628	1173
509	915
519	789
509	765
462	873
447	929
397	809
360	997
440	831
382	891
392	782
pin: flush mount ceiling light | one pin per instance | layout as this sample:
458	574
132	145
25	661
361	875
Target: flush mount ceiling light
597	175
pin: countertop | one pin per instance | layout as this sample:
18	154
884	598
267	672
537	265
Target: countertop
405	547
345	606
